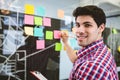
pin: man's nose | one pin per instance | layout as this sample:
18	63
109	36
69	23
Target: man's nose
81	29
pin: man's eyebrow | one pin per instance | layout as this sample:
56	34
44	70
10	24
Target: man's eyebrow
76	22
87	22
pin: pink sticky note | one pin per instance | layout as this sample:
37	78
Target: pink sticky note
28	19
46	21
56	34
40	44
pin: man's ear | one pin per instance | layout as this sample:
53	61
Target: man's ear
101	28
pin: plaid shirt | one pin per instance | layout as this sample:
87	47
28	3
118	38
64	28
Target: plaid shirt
95	62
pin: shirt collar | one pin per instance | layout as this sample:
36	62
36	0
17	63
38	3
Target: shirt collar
90	48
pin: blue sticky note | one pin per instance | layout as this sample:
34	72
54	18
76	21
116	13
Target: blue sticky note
40	11
38	32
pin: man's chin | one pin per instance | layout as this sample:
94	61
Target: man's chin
82	44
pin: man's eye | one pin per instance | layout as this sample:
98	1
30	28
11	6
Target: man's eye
87	25
77	25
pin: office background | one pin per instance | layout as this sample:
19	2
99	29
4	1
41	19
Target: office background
30	41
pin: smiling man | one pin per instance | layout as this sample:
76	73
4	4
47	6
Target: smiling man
94	61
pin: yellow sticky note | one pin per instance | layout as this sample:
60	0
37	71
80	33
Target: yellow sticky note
118	48
29	9
28	30
60	13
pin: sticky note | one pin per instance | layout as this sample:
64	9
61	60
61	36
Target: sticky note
114	31
49	35
38	32
60	13
28	19
57	34
118	48
29	9
58	46
28	30
38	21
40	44
40	11
47	22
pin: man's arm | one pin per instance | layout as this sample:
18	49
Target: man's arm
70	52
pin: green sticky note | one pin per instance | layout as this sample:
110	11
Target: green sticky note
58	46
114	31
38	20
49	35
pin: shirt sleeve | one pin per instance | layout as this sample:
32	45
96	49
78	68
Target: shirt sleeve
92	71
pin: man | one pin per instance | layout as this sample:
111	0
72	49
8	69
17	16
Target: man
94	61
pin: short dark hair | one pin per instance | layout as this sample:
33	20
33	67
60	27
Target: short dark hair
95	12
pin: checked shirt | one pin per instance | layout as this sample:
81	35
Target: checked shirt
94	62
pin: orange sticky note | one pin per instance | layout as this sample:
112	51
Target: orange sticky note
60	13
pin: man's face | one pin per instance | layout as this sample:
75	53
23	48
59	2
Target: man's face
87	30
